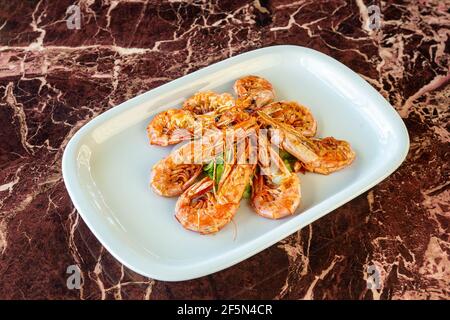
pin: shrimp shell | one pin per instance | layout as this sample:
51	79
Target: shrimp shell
292	114
232	116
170	179
276	191
322	156
170	127
275	201
254	90
333	154
207	102
203	209
198	210
213	142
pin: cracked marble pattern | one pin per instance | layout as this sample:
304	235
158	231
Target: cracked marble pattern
53	80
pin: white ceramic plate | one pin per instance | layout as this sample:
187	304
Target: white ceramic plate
106	164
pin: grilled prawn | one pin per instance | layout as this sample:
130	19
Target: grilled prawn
208	102
179	170
292	114
170	127
316	155
253	92
276	192
170	179
203	209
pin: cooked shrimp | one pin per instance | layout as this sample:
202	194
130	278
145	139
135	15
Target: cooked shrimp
170	127
197	209
170	179
213	142
293	114
333	154
317	155
276	191
254	91
203	209
178	171
208	101
232	116
236	176
175	125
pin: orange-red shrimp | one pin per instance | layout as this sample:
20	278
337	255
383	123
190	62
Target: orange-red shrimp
175	125
276	192
317	155
178	171
231	117
253	92
213	142
208	102
170	127
202	208
293	114
170	179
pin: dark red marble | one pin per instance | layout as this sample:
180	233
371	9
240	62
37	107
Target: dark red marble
53	80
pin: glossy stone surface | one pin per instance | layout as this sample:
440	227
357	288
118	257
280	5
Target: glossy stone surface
53	80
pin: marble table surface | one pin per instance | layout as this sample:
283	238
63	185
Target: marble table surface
54	79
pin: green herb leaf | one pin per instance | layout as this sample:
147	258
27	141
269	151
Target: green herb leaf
247	192
286	155
219	172
209	168
289	165
288	159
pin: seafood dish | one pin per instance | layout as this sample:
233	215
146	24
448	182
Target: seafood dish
246	146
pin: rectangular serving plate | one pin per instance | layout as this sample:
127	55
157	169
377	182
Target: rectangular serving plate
106	164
